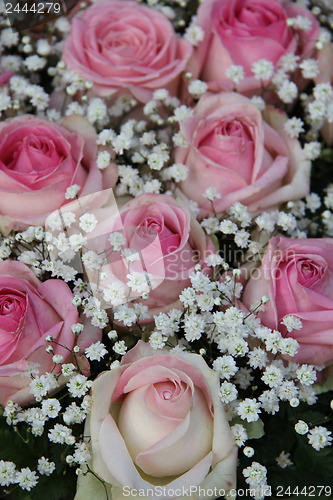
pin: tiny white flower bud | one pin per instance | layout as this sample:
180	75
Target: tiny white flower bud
301	427
248	451
57	359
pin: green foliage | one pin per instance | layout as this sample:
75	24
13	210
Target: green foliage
310	468
24	449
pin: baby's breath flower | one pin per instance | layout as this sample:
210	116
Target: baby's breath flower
61	434
34	62
125	314
117	240
287	91
306	374
97	110
182	112
120	347
157	340
248	451
294	127
211	225
255	474
242	238
77	386
82	453
68	369
45	467
292	322
249	410
235	73
239	433
138	282
289	62
194	34
197	88
312	150
91	260
211	194
228	227
26	479
88	222
7	473
283	460
96	351
77	328
309	68
51	407
228	392
263	69
9	37
72	191
225	366
288	346
103	159
187	297
194	326
259	102
74	414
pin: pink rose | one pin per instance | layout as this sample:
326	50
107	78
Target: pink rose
168	241
241	32
231	148
157	419
39	161
29	312
118	44
297	276
5	77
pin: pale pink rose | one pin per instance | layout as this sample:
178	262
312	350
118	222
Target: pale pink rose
241	32
30	311
157	419
168	242
325	75
245	158
297	276
118	44
39	161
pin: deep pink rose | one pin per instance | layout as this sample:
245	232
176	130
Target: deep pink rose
297	276
157	420
118	44
29	312
248	159
39	160
241	32
170	243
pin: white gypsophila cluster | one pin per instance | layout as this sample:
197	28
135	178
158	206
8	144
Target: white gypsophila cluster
283	460
255	477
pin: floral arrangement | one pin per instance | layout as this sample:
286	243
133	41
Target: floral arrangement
166	253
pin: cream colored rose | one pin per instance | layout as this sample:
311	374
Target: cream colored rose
157	420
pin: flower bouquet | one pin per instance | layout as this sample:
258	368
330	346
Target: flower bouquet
166	251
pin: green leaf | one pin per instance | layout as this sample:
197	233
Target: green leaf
255	430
